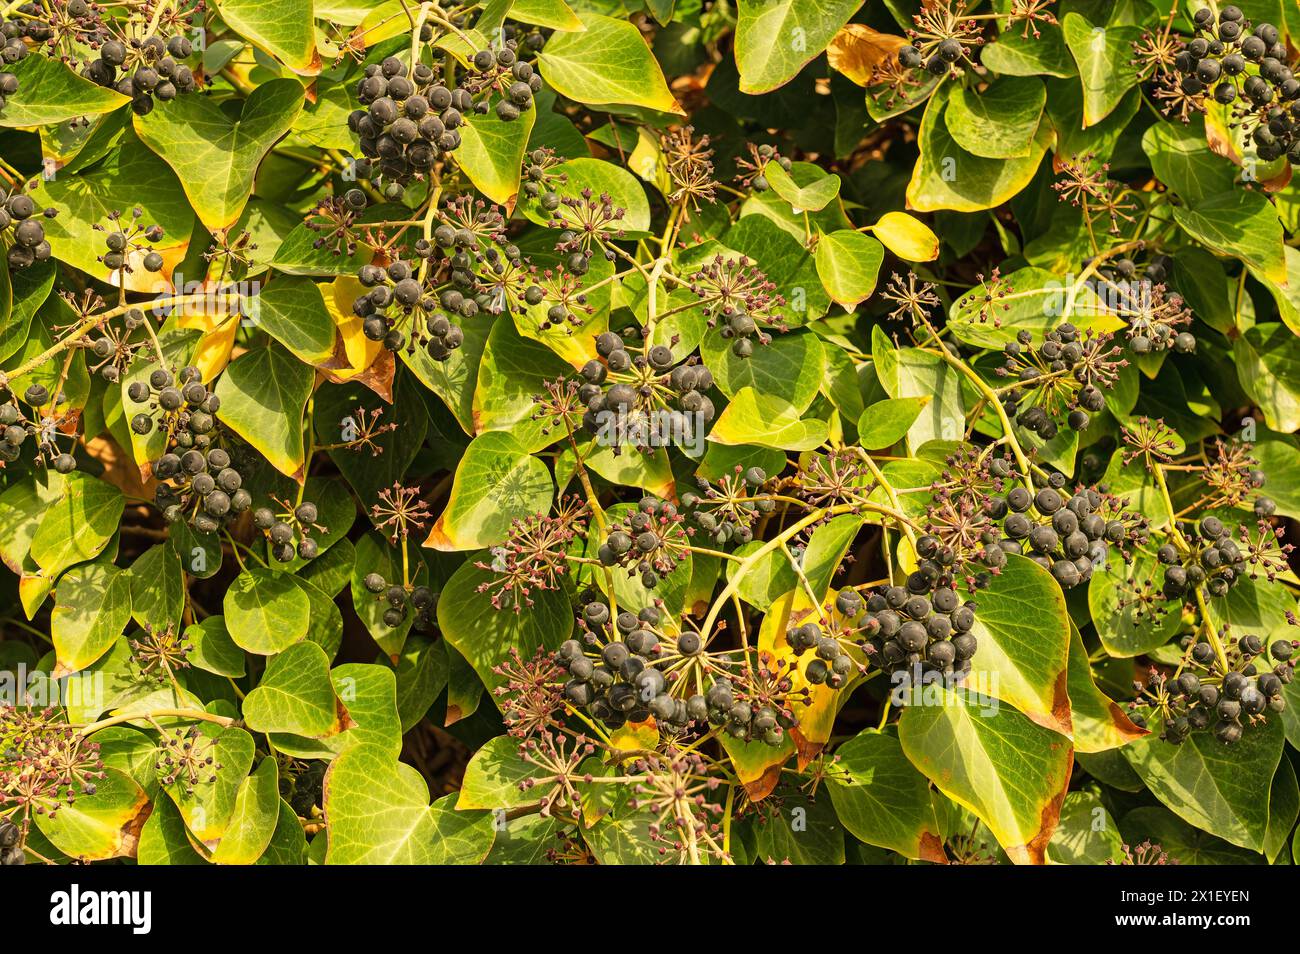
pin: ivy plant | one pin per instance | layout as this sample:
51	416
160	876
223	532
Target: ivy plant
705	432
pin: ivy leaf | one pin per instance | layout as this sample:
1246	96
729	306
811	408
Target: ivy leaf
1035	301
492	153
812	197
292	311
263	396
1239	223
801	831
1023	631
907	237
776	38
1000	122
265	611
1122	635
1222	789
497	482
1180	841
92	607
554	14
214	651
22	293
949	177
790	368
1098	724
215	154
157	587
1014	54
100	826
1105	59
608	63
1086	835
78	525
49	92
295	695
493	776
848	264
1268	367
285	29
377	811
995	762
253	821
756	418
882	799
484	635
164	839
913	373
887	422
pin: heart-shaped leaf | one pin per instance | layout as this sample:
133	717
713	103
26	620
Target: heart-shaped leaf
216	154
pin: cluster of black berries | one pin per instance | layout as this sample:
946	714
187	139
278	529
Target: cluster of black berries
281	530
201	488
537	179
736	296
123	239
27	234
763	720
303	786
1069	535
1216	61
725	512
401	601
514	78
1065	373
620	684
146	70
1213	560
924	623
1202	693
11	852
410	120
649	541
625	389
396	299
16	427
29	24
832	665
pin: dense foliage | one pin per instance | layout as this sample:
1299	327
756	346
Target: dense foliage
711	431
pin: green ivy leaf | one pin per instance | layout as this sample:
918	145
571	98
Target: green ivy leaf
263	396
776	38
887	422
1000	122
1268	367
995	762
92	607
1105	59
1023	630
214	651
282	29
949	177
216	155
100	826
1218	788
848	264
292	311
295	695
253	821
49	92
812	197
377	811
496	483
608	63
266	612
492	153
484	635
756	418
1239	223
78	525
882	799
